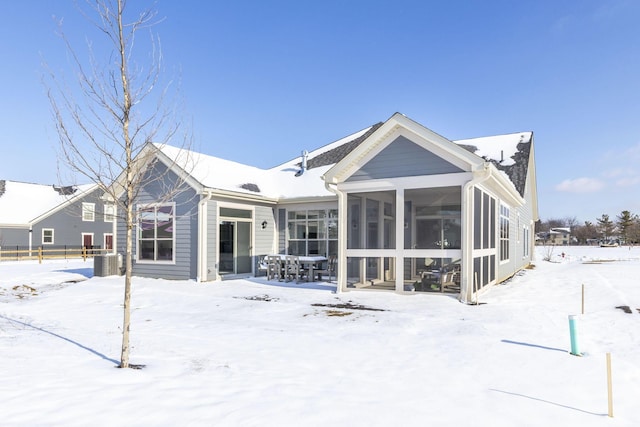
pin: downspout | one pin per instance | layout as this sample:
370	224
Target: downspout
202	238
341	239
466	293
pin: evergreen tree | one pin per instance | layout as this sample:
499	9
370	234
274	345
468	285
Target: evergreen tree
605	226
625	222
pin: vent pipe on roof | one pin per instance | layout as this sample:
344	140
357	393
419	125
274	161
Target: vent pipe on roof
303	163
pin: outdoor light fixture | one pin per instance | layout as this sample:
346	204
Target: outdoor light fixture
264	224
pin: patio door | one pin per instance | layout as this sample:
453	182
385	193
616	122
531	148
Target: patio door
235	247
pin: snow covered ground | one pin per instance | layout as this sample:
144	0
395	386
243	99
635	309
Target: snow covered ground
259	353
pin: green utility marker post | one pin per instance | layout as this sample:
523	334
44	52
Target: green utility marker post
573	331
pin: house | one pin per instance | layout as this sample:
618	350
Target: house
52	217
395	202
560	236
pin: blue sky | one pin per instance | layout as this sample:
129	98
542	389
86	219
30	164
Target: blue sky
264	80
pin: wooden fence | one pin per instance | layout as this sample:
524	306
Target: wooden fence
43	254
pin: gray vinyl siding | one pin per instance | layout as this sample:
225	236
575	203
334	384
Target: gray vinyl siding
403	158
68	225
12	237
263	243
185	232
520	217
264	240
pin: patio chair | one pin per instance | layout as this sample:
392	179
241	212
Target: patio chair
450	279
330	268
292	268
274	267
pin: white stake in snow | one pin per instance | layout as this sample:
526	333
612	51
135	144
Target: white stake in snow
609	386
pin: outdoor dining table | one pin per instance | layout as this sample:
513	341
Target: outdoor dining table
308	262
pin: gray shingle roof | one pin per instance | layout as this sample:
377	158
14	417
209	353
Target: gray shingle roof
515	170
333	156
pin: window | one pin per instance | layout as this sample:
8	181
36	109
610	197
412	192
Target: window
47	236
109	213
88	211
504	233
313	232
525	242
156	233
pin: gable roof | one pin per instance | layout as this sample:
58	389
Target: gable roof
508	153
280	182
22	203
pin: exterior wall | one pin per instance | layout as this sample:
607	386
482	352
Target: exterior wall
263	239
12	237
522	218
186	201
403	158
68	225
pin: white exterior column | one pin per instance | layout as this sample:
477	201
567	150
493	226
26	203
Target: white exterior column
343	228
399	256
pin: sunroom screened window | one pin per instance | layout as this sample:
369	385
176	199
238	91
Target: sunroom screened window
156	233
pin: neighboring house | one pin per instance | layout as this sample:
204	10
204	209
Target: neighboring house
47	216
394	202
560	236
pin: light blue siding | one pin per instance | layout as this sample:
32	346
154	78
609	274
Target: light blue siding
185	232
264	237
403	158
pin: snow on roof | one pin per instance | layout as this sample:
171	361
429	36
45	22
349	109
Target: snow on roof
509	153
22	202
216	173
310	183
500	148
286	182
278	182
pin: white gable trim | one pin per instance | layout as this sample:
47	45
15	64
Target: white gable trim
399	125
79	195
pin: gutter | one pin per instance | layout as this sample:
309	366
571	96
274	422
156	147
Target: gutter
202	237
240	196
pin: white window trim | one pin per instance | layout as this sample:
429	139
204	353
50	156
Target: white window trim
93	242
90	210
137	235
52	236
104	242
509	236
109	213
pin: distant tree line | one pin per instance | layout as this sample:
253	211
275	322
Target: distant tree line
624	229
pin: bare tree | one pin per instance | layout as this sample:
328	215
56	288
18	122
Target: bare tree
107	121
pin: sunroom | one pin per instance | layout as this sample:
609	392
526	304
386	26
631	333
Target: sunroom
405	239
